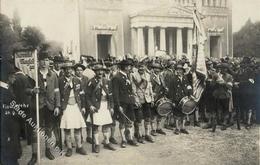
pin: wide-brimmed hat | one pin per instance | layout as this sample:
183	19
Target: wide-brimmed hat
156	66
179	66
126	62
43	55
58	59
79	65
67	64
98	67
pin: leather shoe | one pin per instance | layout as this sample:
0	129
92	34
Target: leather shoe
132	143
109	147
97	148
140	140
113	140
224	127
207	126
81	151
153	133
123	144
177	132
89	140
196	124
160	131
69	152
49	155
184	131
149	138
33	160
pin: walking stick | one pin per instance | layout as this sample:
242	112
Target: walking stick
92	131
37	107
60	140
238	117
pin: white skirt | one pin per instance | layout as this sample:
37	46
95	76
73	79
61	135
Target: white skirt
102	117
72	118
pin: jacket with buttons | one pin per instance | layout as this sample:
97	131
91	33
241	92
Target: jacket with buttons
50	95
122	90
179	89
93	92
65	90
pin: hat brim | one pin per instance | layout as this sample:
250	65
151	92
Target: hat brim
79	65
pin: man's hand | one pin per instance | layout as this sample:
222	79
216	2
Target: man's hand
152	104
83	110
111	111
121	109
56	111
35	90
92	109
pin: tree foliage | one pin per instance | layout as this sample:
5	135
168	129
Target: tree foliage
8	38
247	40
32	37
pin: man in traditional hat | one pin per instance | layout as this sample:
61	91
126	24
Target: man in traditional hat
73	107
123	101
99	102
57	62
158	92
180	88
142	86
49	104
223	95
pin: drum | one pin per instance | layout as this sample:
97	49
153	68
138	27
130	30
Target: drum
187	105
164	106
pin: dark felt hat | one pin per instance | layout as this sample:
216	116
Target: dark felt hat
58	59
126	62
156	65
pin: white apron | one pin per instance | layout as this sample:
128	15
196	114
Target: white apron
103	116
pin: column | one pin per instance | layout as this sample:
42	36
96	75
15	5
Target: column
189	44
211	3
206	3
179	43
140	41
133	40
151	48
162	39
170	42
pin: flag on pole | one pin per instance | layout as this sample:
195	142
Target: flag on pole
24	60
200	74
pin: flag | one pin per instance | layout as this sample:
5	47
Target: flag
200	74
24	60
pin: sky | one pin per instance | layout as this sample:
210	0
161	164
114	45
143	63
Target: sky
47	20
242	10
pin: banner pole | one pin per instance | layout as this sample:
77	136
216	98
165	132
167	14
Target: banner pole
37	108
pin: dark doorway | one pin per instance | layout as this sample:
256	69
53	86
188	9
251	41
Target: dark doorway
104	46
215	46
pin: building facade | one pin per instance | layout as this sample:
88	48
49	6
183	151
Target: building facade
141	27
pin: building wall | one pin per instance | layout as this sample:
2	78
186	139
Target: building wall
217	21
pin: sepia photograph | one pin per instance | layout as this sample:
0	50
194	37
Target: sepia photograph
130	82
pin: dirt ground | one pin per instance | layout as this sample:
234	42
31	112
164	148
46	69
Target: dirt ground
200	147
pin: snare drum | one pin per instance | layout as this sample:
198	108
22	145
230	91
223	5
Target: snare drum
164	106
187	105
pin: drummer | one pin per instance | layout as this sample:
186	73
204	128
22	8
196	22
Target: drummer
158	92
180	87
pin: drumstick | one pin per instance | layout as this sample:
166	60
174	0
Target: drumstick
125	115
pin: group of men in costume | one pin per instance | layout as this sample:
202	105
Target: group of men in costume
73	97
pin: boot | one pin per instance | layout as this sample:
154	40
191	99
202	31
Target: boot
33	160
48	154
